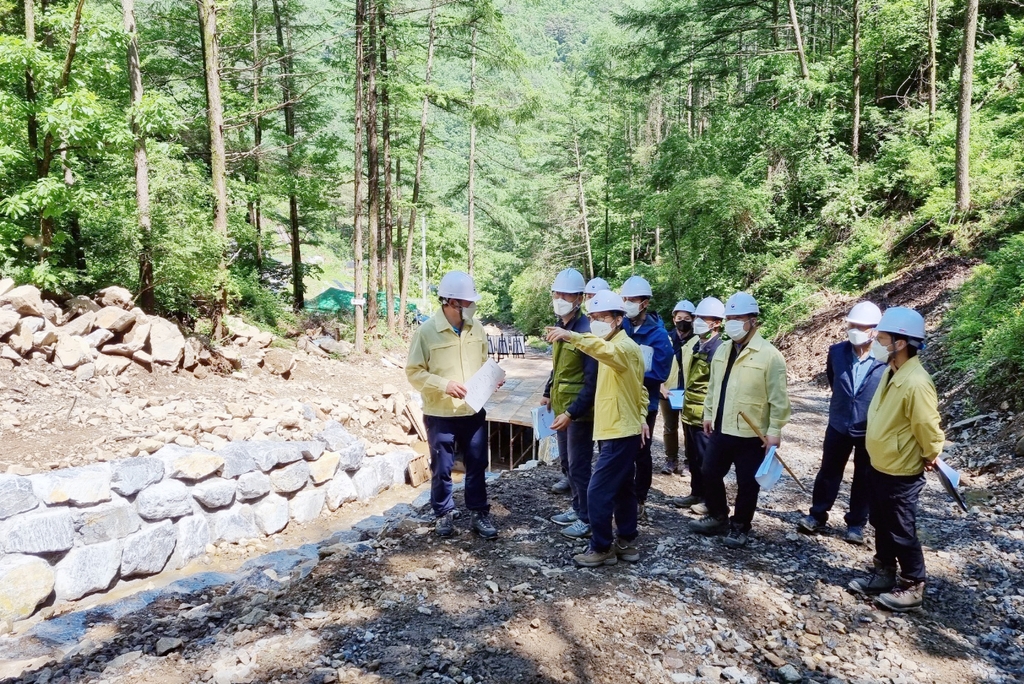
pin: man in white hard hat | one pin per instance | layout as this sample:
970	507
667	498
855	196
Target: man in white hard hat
593	286
645	327
681	333
904	437
853	375
445	352
570	394
694	379
620	409
748	375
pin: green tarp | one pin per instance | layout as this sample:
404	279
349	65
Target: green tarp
335	300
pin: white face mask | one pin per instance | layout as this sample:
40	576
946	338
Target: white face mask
632	309
601	329
562	307
858	338
879	352
701	327
736	330
468	312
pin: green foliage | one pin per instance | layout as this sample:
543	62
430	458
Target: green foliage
531	299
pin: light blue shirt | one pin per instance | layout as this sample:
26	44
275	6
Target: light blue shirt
861	367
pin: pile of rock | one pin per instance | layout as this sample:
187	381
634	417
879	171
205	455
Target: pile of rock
72	532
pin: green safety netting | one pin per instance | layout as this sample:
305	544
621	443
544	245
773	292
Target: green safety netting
335	300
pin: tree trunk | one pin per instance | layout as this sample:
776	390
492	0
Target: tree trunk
218	157
147	298
799	40
389	217
933	33
855	137
284	44
582	199
30	88
74	226
256	203
471	242
424	112
357	199
963	117
372	171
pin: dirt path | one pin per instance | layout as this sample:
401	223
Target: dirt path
468	611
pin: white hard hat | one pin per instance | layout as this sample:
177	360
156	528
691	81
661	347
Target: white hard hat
596	285
569	281
902	321
865	313
741	304
458	285
606	301
635	286
685	306
710	307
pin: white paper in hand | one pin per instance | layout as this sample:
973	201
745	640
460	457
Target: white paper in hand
481	386
648	354
543	417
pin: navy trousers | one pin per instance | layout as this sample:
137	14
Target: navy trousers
469	434
576	452
644	462
835	453
894	517
746	453
695	445
611	493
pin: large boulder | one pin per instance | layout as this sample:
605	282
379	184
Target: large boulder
252	486
165	499
290	478
105	522
25	582
237	460
72	352
215	492
21	339
307	504
193	533
368	481
324	468
340	490
8	321
271	514
115	296
232	524
132	475
134	341
398	461
267	455
81	325
107	364
26	300
16	496
114	318
87	569
98	338
279	362
79	486
350	449
166	342
38	532
146	552
189	463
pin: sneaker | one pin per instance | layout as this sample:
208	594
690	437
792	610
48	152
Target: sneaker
736	539
483	525
566	518
810	525
562	486
907	596
626	550
854	535
444	526
699	508
670	468
686	501
709	525
594	559
881	580
578	530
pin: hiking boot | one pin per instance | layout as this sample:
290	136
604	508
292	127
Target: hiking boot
699	508
686	501
483	525
578	530
562	486
566	518
810	525
709	525
854	535
670	468
881	580
626	550
736	539
444	526
907	596
594	559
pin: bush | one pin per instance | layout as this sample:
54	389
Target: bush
531	300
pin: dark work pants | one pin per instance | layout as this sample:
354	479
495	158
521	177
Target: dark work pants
611	493
835	452
576	451
469	433
696	444
725	450
894	517
670	433
644	464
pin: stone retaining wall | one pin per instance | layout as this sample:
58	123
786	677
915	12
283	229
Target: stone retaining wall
69	533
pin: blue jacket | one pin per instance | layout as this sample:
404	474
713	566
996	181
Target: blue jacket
848	410
584	401
652	333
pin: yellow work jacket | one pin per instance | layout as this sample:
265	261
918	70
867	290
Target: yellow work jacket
620	404
757	387
903	421
438	355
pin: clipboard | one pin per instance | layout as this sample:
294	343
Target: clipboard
543	416
950	480
675	399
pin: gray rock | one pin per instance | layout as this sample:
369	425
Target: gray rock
307	504
165	645
193	533
253	486
38	532
271	514
279	362
367	480
80	325
733	674
16	496
167	343
111	365
311	451
105	522
237	460
97	338
8	321
86	569
25	299
71	352
398	461
132	475
232	524
269	455
709	672
290	478
340	490
371	526
166	499
790	675
80	486
352	456
114	318
146	552
215	492
335	436
25	582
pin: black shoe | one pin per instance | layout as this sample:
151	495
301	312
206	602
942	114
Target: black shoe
709	525
444	526
854	535
562	486
810	525
483	525
686	501
670	468
736	539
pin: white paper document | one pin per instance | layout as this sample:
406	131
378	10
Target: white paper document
648	354
543	417
950	480
481	386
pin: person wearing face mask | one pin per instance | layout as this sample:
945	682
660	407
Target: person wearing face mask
853	375
620	409
645	327
903	439
748	375
593	286
696	364
444	353
570	394
681	333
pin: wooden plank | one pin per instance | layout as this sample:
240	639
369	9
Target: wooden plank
419	471
415	414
